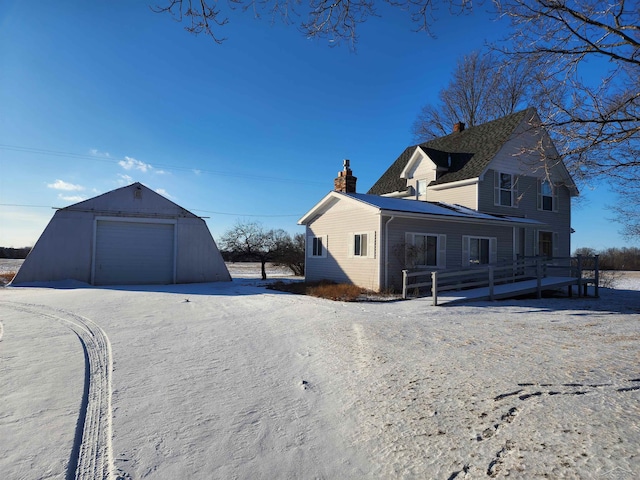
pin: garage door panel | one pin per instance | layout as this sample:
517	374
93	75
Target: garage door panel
134	253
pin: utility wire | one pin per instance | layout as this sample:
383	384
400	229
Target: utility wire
193	209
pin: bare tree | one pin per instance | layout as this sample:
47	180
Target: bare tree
252	242
291	254
483	87
334	20
596	124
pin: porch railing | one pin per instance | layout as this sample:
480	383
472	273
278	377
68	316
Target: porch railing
524	268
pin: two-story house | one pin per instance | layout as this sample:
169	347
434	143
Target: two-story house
481	195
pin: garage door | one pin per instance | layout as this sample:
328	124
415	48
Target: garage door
129	253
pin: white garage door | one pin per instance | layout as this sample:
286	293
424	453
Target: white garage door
130	253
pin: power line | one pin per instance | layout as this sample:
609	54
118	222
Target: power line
195	170
193	209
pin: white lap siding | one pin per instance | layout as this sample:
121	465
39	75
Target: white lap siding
454	232
337	227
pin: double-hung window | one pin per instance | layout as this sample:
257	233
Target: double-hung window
425	250
421	189
505	192
360	244
317	246
479	250
547	199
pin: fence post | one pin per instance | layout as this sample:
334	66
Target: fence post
404	284
538	278
597	276
579	275
434	287
490	282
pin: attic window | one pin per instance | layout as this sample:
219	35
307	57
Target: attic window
137	193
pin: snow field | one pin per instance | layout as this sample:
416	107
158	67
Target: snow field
236	381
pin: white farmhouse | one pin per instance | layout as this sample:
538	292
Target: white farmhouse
482	195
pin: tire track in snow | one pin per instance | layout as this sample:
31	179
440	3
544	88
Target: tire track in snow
93	446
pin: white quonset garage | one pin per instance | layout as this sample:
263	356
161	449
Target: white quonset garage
128	236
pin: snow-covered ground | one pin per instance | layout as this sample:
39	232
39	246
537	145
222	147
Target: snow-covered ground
232	380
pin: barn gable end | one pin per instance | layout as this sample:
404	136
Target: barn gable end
131	235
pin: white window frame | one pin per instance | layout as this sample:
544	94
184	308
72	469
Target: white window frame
370	245
312	242
513	190
466	250
542	195
441	249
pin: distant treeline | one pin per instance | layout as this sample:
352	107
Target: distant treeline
6	252
625	258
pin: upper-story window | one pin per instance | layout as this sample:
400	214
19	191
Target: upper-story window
421	188
547	198
505	189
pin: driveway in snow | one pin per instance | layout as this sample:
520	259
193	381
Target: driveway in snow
236	381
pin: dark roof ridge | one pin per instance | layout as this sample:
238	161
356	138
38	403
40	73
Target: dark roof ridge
479	143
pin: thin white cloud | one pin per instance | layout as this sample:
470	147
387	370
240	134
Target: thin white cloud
97	153
124	179
66	186
71	198
161	172
163	192
130	163
197	172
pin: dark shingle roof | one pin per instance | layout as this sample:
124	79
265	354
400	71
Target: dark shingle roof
471	151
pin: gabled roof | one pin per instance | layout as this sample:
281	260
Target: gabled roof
413	208
471	152
124	201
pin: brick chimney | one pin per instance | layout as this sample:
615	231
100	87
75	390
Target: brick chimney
345	181
458	127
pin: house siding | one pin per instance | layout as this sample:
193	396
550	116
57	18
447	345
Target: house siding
527	207
454	232
337	224
465	195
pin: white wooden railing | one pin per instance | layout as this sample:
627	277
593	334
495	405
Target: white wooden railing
529	268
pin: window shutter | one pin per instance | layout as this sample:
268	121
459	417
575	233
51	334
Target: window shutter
350	240
556	246
539	194
496	190
309	246
554	192
465	251
514	201
371	251
408	243
493	250
442	251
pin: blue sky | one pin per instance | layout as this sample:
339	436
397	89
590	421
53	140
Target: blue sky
96	95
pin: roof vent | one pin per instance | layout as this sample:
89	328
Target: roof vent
458	127
137	192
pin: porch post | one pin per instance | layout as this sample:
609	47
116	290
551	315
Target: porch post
404	284
434	287
597	276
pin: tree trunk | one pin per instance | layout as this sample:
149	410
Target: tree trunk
263	269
